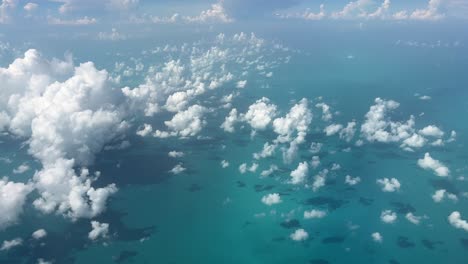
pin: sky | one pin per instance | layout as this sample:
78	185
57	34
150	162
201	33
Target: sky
114	12
83	78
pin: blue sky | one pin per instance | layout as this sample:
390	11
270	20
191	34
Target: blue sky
86	12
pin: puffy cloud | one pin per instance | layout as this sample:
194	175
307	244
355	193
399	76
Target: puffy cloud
348	132
378	128
29	7
308	14
456	221
187	123
297	120
9	244
271	199
432	131
68	6
271	170
438	196
243	168
377	237
332	129
415	141
241	84
326	113
216	13
428	163
352	10
230	121
299	235
21	169
224	164
12	201
319	180
352	181
99	230
389	185
388	217
267	151
145	130
177	169
315	162
175	154
314	214
260	114
431	12
38	234
315	147
412	218
300	173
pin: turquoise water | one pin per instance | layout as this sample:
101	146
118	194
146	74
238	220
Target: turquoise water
208	214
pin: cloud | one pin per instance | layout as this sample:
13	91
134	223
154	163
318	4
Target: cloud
388	216
5	8
299	235
267	151
260	114
13	198
389	185
377	237
431	12
186	123
21	169
332	129
175	154
326	113
348	132
315	162
432	131
99	230
319	180
72	22
9	244
300	173
113	35
30	7
177	169
314	214
271	199
456	221
39	234
145	130
428	163
216	13
224	164
271	170
352	181
297	120
230	121
413	219
352	9
308	15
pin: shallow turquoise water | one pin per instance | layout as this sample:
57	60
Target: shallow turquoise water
213	215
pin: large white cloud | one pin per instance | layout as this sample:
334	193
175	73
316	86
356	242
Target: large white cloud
67	114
